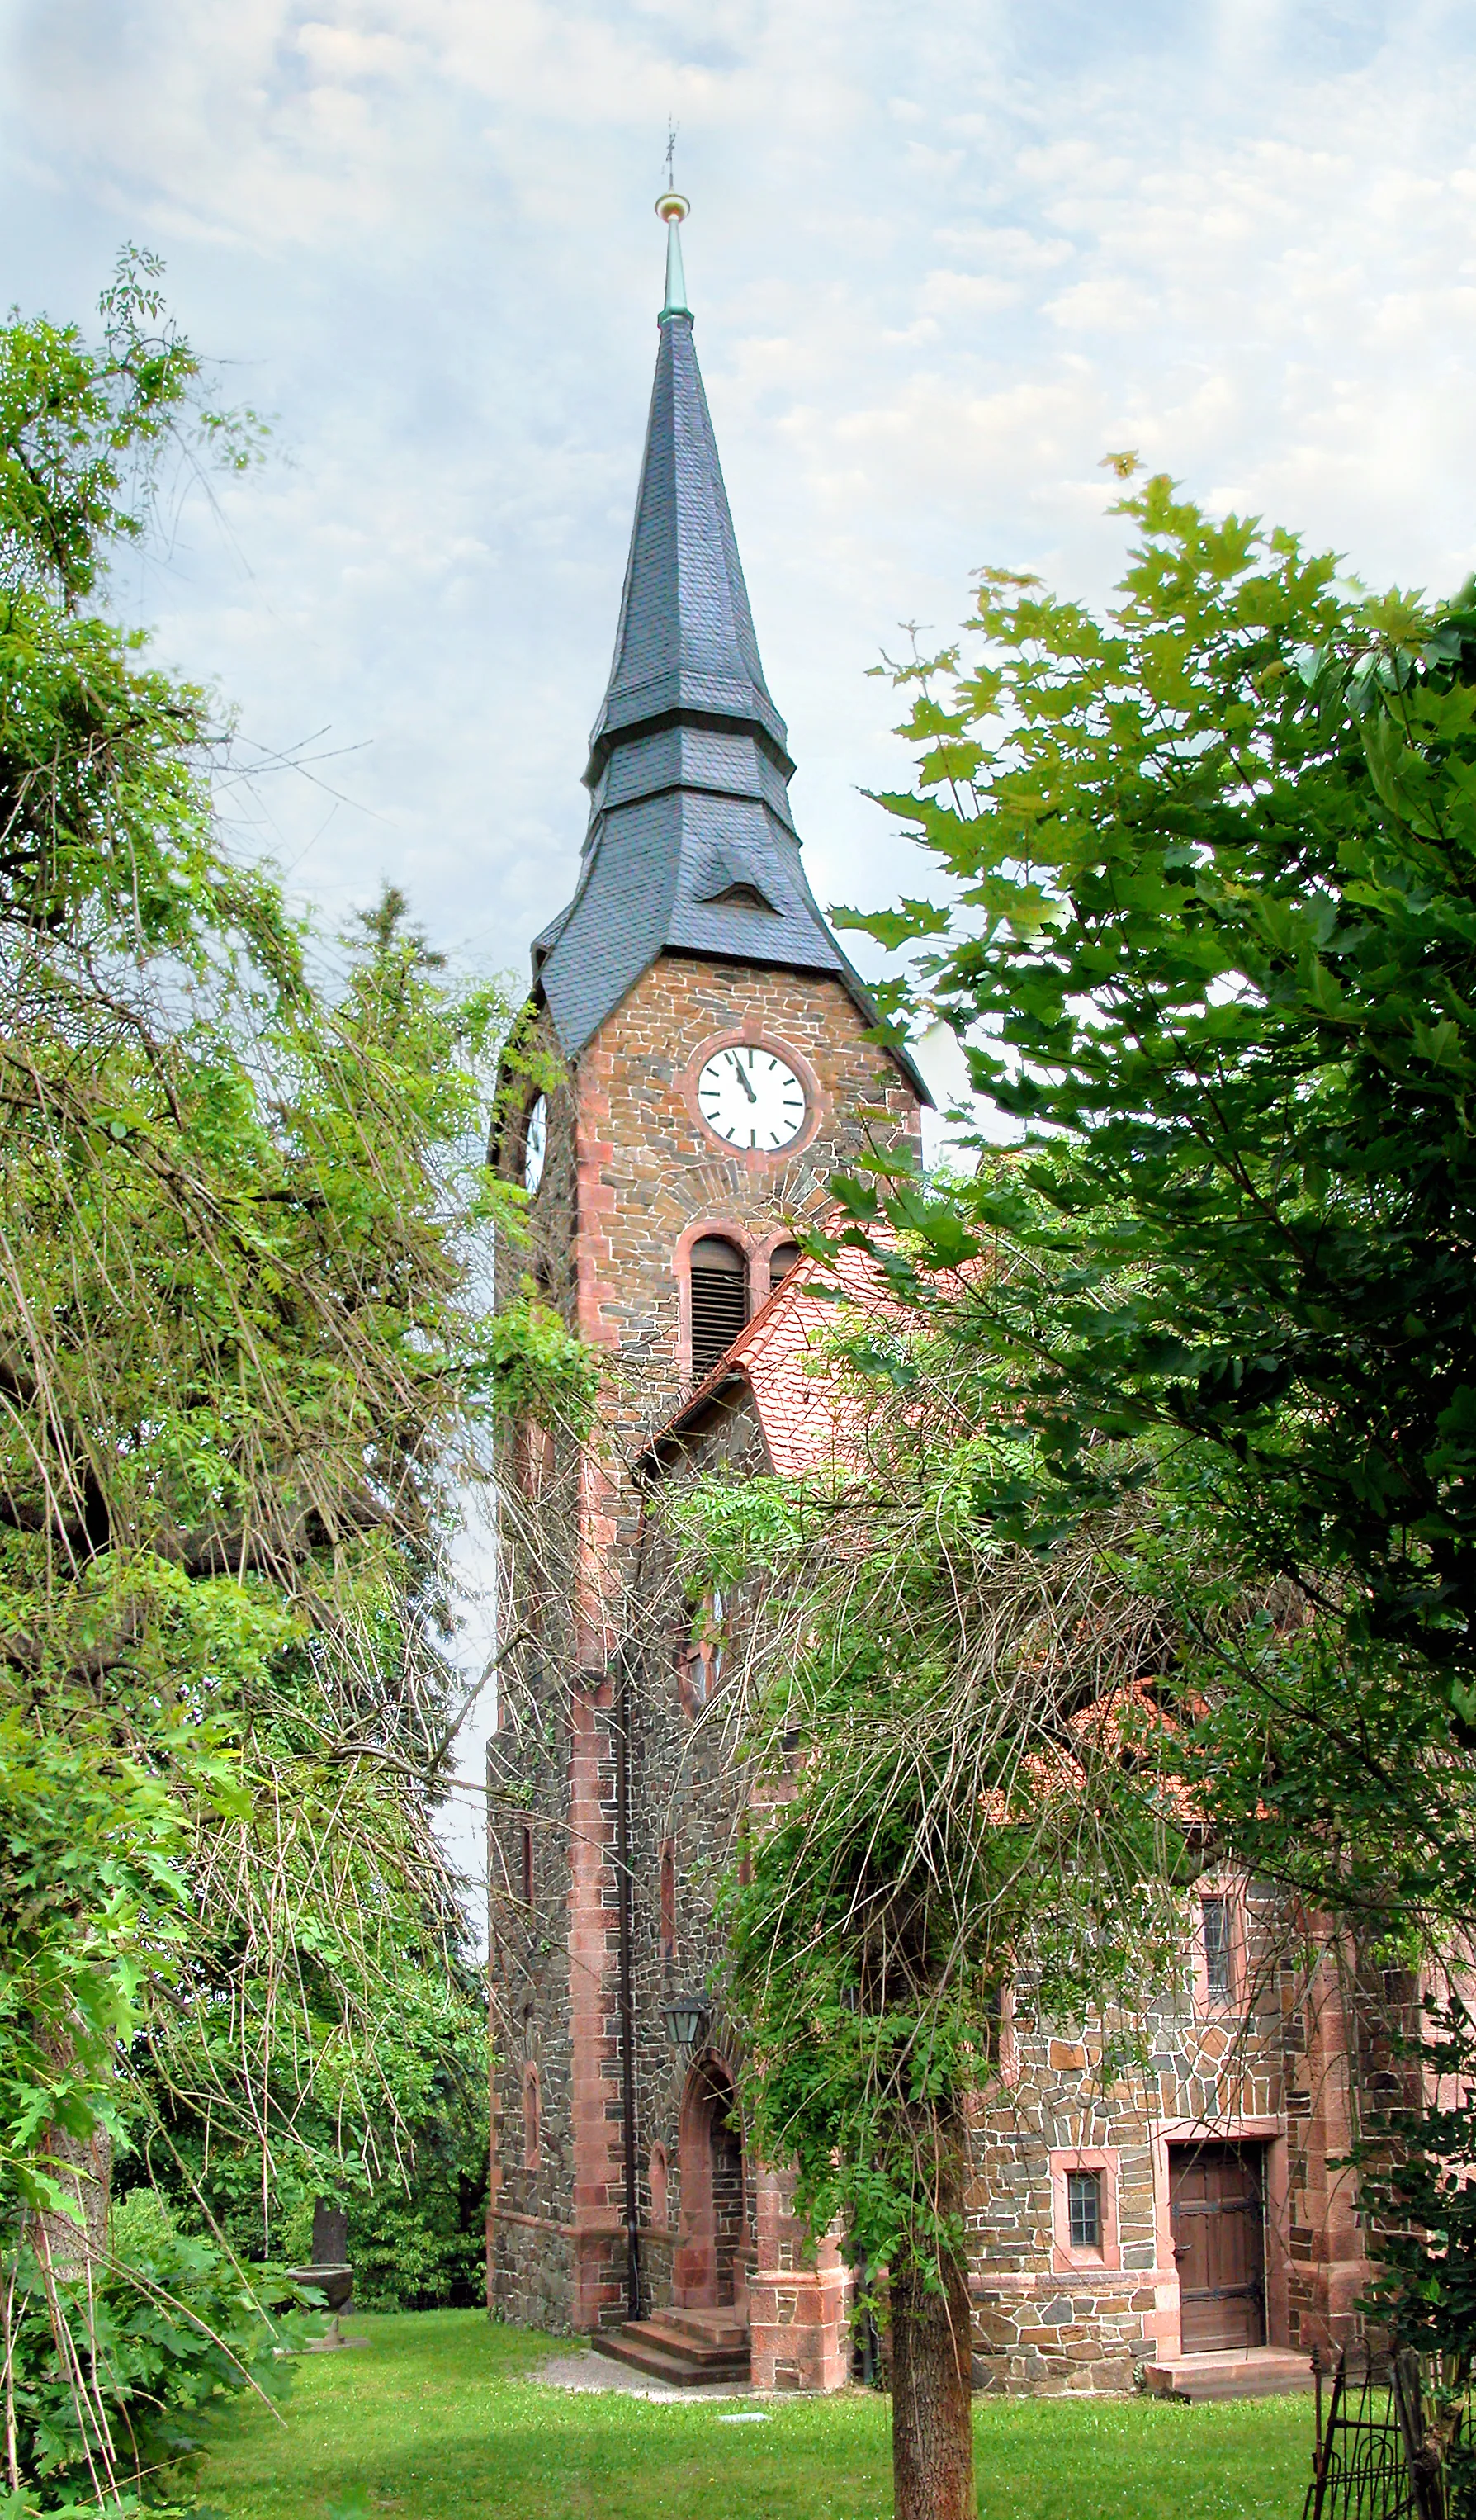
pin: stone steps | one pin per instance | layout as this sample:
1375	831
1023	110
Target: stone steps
1263	2371
688	2349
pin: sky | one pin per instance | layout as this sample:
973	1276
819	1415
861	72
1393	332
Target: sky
943	257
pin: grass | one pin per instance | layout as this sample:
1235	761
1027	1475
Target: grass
440	2417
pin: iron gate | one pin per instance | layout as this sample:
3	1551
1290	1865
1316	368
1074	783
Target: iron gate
1372	2459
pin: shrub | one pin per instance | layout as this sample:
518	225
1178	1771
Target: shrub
173	2333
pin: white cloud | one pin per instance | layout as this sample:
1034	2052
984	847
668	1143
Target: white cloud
939	266
941	261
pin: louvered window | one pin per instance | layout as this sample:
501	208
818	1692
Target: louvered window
782	1259
719	1300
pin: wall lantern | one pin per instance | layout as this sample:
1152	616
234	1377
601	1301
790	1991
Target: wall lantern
685	2018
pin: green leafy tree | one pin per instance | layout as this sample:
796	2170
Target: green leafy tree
1207	931
246	1385
959	1793
1209	936
155	2347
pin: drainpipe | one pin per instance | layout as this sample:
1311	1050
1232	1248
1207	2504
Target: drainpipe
623	1874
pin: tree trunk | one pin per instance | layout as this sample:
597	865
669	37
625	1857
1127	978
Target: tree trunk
932	2419
83	2170
83	2167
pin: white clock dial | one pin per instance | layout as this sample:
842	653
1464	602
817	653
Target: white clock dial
751	1098
535	1145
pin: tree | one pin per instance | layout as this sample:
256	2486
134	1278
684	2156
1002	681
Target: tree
1212	942
1209	934
246	1382
960	1788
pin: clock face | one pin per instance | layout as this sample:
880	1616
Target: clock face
751	1098
535	1145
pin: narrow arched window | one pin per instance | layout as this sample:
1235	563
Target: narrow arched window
669	1900
719	1300
783	1257
532	2130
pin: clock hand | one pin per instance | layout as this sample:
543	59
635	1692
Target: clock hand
743	1081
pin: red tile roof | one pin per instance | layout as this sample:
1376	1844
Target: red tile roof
782	1358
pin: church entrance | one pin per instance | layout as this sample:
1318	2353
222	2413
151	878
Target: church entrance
1217	2212
708	2267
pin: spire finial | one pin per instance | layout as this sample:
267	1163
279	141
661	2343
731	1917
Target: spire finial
673	208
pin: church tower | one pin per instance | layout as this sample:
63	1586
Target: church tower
708	1069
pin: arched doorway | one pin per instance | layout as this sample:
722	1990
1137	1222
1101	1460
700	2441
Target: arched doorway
709	2265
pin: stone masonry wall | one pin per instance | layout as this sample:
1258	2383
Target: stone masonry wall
631	1175
692	1802
630	1172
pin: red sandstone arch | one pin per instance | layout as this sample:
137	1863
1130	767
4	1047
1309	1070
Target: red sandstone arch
709	2266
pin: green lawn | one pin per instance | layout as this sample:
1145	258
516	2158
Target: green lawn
437	2418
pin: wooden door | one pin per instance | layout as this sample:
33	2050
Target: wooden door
1216	2215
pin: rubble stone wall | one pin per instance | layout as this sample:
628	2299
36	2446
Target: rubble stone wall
630	1170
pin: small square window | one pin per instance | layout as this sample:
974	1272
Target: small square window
1084	2208
1215	1914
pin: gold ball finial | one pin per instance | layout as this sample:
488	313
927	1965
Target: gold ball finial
673	208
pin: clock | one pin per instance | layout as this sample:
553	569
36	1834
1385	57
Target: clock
535	1145
751	1098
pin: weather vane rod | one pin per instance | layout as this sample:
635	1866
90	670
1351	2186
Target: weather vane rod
673	208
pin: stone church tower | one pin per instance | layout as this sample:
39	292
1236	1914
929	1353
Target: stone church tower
710	1039
704	1068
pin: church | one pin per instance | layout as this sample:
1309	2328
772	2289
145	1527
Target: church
698	1061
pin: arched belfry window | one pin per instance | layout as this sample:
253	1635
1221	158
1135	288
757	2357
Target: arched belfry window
719	1300
783	1257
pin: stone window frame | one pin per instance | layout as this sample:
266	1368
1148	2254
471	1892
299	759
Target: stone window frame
658	2181
517	1136
1230	1888
758	1249
725	1228
666	1895
1007	2059
1106	2161
753	1035
535	1445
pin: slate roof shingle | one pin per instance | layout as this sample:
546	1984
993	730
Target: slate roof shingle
688	766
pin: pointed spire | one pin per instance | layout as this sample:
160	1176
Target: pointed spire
691	847
685	640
